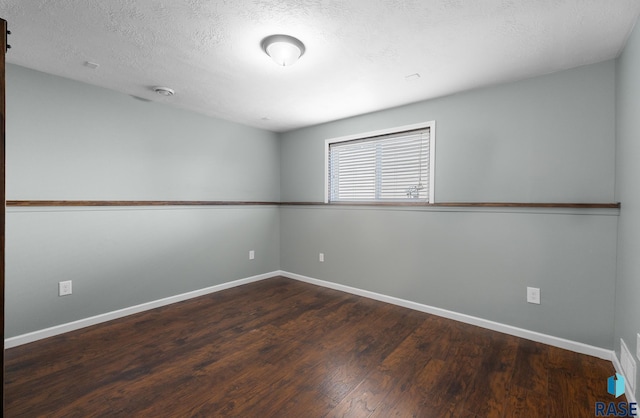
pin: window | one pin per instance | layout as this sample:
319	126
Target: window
394	165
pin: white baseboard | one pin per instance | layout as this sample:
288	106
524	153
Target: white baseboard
631	397
495	326
98	319
468	319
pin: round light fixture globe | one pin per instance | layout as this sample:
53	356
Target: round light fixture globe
284	50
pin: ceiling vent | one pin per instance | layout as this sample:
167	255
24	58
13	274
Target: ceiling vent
164	91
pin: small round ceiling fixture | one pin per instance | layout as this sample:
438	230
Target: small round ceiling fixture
164	91
284	50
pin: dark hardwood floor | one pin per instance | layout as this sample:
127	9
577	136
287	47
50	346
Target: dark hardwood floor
282	348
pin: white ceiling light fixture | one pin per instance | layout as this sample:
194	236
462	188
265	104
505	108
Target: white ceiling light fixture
284	50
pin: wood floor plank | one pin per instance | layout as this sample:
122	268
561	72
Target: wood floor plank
400	366
363	400
283	348
490	386
576	383
433	387
230	314
531	371
347	352
526	403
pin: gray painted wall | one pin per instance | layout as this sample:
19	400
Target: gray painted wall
477	263
69	140
122	258
548	139
627	314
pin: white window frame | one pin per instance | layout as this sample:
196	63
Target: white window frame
432	153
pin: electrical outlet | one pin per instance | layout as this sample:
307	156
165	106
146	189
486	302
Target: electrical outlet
252	255
64	288
321	257
638	347
533	295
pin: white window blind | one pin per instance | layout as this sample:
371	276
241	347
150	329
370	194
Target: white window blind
391	167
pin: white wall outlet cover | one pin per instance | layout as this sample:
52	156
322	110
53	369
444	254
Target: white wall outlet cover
533	295
252	255
638	347
64	288
321	257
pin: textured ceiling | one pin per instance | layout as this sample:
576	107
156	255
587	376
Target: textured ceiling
358	52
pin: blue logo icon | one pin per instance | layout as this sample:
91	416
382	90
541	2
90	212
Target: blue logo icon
615	385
